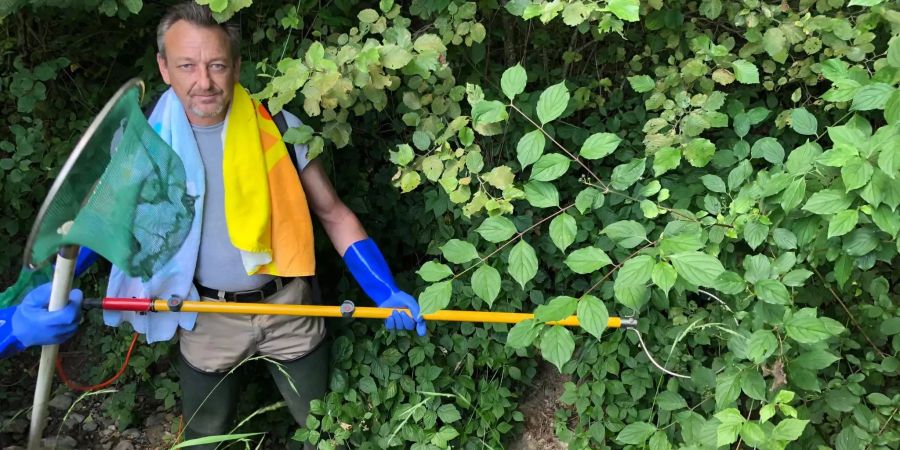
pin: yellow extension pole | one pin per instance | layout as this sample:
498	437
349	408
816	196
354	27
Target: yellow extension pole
363	312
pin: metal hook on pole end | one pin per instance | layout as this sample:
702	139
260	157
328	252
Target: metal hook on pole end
649	356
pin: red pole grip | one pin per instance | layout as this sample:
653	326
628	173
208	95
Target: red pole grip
127	304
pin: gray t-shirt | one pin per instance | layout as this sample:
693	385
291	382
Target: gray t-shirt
219	262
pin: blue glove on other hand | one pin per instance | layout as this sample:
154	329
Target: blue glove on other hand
371	271
33	324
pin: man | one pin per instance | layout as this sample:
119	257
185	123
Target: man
239	255
31	323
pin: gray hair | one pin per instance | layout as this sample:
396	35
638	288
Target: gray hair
201	16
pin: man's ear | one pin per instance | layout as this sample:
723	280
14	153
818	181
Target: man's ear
163	68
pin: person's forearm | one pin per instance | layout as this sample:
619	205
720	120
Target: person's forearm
343	228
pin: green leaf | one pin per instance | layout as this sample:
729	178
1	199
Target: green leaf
856	173
784	238
626	233
728	388
541	194
433	271
557	345
635	433
814	360
550	167
871	96
558	308
865	2
775	44
730	423
753	385
892	106
429	43
587	199
299	135
642	83
436	297
772	291
530	147
664	276
886	220
625	175
587	260
394	57
448	413
626	10
522	334
699	152
562	231
769	149
489	111
810	330
796	278
801	160
761	345
697	268
665	160
486	283
592	315
745	72
630	287
670	401
552	102
842	223
458	252
753	434
890	326
513	81
755	233
713	182
827	201
793	194
598	145
523	263
803	122
496	229
789	429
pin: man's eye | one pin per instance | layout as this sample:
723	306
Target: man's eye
186	66
218	67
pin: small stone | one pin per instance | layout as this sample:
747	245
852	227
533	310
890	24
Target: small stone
154	420
131	434
89	425
73	420
124	445
61	402
63	442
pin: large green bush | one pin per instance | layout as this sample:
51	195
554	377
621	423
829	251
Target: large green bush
726	171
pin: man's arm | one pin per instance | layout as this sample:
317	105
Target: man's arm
341	224
362	256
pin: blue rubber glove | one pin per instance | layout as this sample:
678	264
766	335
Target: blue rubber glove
371	271
86	258
33	324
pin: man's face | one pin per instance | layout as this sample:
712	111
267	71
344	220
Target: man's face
199	67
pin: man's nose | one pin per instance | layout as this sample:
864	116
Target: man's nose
205	81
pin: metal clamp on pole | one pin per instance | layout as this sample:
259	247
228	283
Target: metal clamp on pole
347	309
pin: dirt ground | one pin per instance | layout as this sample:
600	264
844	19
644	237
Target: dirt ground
539	409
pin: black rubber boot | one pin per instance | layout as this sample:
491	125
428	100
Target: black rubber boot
308	381
208	402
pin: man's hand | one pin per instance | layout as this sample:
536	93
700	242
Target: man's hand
34	324
400	320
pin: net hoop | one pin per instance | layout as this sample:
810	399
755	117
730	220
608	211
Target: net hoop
70	162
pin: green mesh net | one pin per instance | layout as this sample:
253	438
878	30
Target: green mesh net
123	196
